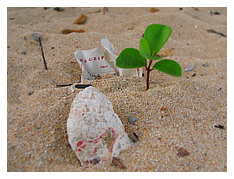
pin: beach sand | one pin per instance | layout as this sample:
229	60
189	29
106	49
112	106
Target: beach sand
188	112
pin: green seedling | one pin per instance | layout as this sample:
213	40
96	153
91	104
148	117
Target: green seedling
155	37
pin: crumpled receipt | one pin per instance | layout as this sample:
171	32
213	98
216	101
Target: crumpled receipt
96	62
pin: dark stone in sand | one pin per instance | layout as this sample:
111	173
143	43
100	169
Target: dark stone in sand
59	9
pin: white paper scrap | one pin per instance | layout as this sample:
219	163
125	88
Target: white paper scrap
93	63
96	62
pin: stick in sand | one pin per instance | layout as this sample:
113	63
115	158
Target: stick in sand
104	10
79	86
42	53
37	37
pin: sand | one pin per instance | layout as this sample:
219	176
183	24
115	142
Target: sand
189	112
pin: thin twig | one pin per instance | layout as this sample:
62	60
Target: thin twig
42	53
63	85
104	10
82	86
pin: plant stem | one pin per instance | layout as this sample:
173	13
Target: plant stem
148	74
147	79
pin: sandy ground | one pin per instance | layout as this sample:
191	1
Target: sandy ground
175	112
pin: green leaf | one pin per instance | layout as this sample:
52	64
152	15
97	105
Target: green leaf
145	50
169	67
130	58
156	36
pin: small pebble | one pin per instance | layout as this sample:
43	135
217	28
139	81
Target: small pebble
134	137
30	93
10	147
81	19
132	119
216	13
117	162
95	161
130	28
180	8
190	67
182	152
59	9
219	126
154	10
205	65
68	31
